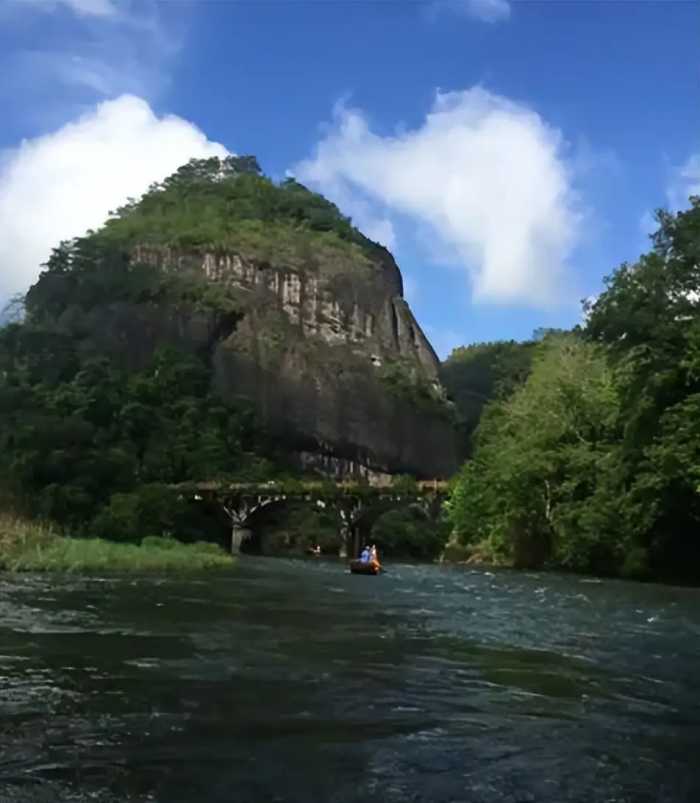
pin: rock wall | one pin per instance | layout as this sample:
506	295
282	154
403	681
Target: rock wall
312	348
363	308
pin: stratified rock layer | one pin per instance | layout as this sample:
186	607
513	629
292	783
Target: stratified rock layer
331	355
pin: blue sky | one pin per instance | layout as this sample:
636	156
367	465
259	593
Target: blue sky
510	154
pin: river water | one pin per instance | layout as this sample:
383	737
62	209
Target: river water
294	681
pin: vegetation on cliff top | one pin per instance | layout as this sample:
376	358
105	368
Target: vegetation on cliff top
229	204
208	204
593	463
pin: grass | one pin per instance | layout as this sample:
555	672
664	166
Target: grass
481	553
32	547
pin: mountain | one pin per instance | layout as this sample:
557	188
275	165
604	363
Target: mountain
291	308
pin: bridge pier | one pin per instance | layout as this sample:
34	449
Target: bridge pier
349	511
353	504
238	536
349	542
356	542
240	509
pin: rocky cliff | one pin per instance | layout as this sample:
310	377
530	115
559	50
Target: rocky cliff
314	349
296	311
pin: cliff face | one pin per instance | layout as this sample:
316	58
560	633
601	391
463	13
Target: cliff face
316	351
293	308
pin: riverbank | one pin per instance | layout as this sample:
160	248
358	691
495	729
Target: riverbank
475	555
481	556
31	547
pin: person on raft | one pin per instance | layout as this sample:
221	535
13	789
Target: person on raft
369	555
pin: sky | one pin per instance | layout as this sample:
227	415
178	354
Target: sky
510	154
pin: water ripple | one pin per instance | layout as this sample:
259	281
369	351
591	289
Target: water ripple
295	681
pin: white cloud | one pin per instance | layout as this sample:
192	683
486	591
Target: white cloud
102	49
87	8
685	182
59	185
682	182
484	10
486	175
98	8
587	305
92	75
381	231
374	223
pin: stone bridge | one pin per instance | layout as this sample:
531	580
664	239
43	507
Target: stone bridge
356	504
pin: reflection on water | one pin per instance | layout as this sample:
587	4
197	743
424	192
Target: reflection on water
294	681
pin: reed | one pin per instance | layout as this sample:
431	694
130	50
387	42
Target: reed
33	546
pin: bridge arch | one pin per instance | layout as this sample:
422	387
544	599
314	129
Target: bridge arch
261	523
374	511
356	505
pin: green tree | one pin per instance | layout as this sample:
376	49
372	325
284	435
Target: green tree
594	463
81	436
408	532
527	494
475	375
648	317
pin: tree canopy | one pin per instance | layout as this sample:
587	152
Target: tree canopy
93	446
594	462
475	375
217	203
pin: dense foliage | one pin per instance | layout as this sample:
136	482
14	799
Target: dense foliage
404	532
96	426
94	431
584	446
594	463
475	375
228	203
92	446
402	381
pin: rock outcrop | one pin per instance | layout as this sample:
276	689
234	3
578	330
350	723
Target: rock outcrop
293	308
332	357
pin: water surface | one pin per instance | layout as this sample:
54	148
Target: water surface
294	681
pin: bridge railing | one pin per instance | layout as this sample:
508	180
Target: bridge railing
302	487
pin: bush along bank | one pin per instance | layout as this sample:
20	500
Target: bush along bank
28	546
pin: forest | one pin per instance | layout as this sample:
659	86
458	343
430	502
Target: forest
580	449
592	462
94	435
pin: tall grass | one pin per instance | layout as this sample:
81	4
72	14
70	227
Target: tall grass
29	546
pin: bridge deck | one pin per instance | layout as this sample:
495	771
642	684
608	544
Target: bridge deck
302	487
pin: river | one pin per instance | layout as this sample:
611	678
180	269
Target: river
292	681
